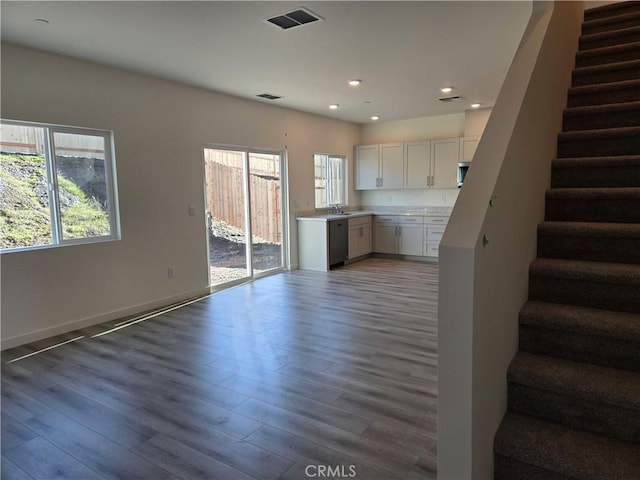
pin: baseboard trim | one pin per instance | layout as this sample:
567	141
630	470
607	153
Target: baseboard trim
52	331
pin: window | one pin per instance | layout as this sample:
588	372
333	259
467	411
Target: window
329	180
57	186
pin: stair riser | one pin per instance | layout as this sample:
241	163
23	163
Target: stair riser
598	146
608	296
606	58
506	468
612	40
605	75
617	210
615	95
601	119
606	351
632	21
594	249
588	415
619	176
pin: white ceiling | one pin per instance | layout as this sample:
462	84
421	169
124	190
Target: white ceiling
403	51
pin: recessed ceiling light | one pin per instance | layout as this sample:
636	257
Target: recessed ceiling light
375	117
333	106
355	82
475	105
446	89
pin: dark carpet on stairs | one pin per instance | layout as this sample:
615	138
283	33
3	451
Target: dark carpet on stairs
574	386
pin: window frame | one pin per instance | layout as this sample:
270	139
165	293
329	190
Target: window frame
328	180
57	238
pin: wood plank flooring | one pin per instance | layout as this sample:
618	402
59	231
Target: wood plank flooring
293	376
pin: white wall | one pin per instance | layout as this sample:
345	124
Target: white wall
483	287
160	128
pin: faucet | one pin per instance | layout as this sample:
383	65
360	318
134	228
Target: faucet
337	208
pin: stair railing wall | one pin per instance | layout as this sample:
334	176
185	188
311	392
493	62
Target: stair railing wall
491	239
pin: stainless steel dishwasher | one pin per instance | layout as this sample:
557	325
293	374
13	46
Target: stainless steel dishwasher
338	241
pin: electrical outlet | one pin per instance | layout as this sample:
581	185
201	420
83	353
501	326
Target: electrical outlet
170	272
192	211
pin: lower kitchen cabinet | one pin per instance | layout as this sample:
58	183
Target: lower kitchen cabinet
360	238
399	234
433	232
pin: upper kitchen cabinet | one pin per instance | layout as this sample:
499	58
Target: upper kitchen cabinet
468	147
444	163
379	166
417	164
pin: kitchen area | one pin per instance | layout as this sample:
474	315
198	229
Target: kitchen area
405	193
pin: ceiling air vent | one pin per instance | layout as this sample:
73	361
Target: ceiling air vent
269	96
294	18
451	98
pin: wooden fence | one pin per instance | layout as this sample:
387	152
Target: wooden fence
225	194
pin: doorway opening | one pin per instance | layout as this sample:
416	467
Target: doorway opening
245	222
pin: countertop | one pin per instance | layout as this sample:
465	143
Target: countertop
427	212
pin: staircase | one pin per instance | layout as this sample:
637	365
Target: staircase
574	386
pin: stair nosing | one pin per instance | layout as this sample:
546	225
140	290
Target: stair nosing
593	192
608	385
613	19
599	132
581	320
621	85
602	161
591	37
610	7
586	448
590	69
599	51
602	229
586	271
603	108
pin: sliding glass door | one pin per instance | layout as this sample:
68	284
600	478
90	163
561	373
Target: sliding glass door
244	214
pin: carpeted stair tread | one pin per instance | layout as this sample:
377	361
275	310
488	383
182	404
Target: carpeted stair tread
593	204
614	160
590	241
614	22
604	93
599	142
601	272
572	453
594	117
606	73
620	171
608	54
599	134
611	386
624	193
590	321
591	229
610	10
609	38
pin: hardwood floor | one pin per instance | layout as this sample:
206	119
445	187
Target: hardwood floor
294	376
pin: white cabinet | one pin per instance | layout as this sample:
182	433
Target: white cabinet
417	164
422	164
445	154
399	234
367	167
468	147
433	230
379	166
359	236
